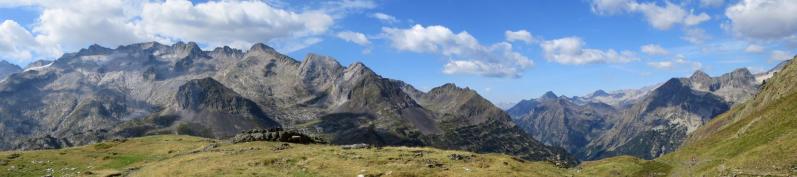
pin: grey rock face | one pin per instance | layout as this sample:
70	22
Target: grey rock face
149	88
560	122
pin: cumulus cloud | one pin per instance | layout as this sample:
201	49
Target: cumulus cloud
520	35
77	25
654	49
753	48
355	37
68	26
15	42
385	18
570	50
467	55
678	61
780	55
228	22
660	17
763	19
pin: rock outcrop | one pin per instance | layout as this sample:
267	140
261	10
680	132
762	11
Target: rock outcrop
275	134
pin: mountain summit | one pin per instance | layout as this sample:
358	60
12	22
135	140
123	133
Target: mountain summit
646	123
150	88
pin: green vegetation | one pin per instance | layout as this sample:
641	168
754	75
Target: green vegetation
173	155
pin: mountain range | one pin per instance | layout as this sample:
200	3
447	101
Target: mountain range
756	137
100	93
645	123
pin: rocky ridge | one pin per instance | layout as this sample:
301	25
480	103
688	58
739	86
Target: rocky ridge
150	88
646	123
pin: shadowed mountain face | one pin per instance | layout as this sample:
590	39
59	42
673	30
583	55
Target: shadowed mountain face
646	123
149	88
7	69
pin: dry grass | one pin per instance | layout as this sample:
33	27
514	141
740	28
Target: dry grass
171	155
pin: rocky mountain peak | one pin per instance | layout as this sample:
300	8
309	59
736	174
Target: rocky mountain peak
357	69
599	93
148	45
699	75
142	46
741	73
227	51
549	96
216	98
451	88
94	49
187	49
321	60
260	47
319	70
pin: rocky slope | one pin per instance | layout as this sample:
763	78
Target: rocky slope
645	123
574	124
755	138
7	69
150	88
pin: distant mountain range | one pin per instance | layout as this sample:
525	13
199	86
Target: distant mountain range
148	88
645	123
6	69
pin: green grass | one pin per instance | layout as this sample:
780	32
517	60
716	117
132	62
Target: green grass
172	155
761	142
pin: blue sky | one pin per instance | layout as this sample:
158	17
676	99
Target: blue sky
506	50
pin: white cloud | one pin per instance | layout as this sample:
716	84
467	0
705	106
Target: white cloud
337	8
753	48
780	55
570	50
225	22
467	55
16	43
763	19
355	37
678	61
81	23
711	3
520	35
660	17
654	49
71	25
695	35
692	19
385	18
